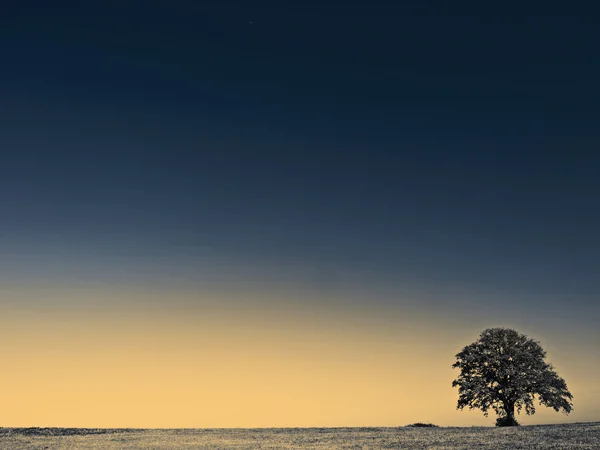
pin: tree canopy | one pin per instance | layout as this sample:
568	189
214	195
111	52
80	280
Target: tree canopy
504	370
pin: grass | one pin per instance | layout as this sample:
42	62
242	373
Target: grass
564	437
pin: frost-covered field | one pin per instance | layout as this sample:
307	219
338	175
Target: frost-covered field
564	437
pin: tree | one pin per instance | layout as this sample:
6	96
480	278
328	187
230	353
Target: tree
504	370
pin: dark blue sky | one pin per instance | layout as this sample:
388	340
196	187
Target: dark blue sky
397	142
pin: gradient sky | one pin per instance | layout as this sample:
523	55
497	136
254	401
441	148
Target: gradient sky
291	214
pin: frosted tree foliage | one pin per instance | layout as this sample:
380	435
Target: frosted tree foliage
505	370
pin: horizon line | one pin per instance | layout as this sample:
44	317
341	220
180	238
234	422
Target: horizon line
288	428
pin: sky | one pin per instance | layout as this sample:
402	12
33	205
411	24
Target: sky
263	214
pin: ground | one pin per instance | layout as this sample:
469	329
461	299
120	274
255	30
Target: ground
563	437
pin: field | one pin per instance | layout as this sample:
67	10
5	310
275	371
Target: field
564	437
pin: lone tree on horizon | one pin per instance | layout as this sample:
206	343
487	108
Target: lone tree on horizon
504	370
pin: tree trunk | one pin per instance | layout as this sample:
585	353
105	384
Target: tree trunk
510	412
509	419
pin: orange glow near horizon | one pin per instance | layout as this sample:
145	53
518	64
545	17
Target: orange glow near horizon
222	364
